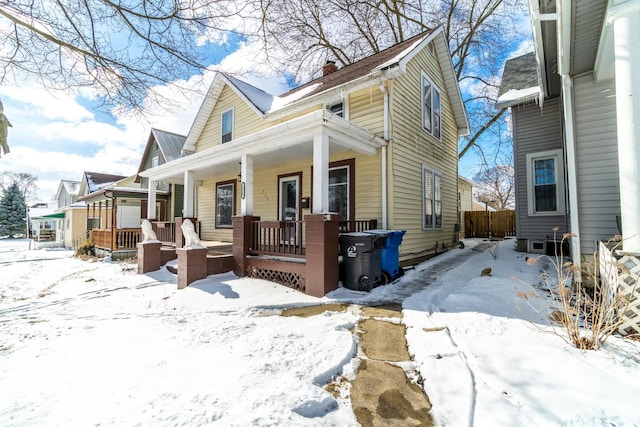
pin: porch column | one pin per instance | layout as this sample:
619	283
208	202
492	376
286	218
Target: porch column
626	29
151	201
246	187
242	237
320	173
189	195
321	268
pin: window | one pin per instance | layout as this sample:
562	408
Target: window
430	107
339	192
225	203
93	223
336	108
432	207
545	183
155	162
227	126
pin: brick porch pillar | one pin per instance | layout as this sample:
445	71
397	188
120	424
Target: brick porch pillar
178	230
242	233
192	265
149	258
321	239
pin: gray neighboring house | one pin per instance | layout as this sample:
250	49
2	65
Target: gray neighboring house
575	105
162	147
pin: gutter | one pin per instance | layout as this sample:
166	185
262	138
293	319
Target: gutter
564	49
385	94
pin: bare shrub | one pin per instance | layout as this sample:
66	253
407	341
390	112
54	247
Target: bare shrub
589	315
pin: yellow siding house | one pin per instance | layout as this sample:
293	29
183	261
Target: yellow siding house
375	140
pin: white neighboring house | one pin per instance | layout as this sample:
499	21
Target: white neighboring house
44	222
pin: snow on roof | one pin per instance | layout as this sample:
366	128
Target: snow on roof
515	96
261	99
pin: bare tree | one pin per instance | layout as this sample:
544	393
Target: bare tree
26	183
119	49
496	187
300	35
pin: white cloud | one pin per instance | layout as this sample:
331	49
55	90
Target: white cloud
55	138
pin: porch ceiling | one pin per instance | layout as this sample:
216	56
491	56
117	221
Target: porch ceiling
285	142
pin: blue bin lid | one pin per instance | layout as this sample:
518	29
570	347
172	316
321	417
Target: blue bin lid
394	237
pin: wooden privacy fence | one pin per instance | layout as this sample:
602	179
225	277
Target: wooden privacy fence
489	224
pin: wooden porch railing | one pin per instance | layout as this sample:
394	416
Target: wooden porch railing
357	225
125	238
285	238
278	238
165	231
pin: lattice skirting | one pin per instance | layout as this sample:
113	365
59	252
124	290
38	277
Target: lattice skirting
292	280
628	285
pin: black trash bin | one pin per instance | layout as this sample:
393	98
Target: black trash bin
361	260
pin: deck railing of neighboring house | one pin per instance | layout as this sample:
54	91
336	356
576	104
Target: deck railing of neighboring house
357	225
125	238
278	238
165	231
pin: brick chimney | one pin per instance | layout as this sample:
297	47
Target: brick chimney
329	67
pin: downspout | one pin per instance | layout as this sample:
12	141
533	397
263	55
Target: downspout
385	94
564	48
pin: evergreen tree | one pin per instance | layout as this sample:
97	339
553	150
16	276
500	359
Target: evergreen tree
13	211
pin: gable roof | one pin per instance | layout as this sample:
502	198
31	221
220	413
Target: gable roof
170	146
520	82
383	65
94	181
71	187
383	60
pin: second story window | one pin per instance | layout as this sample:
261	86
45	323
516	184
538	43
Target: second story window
430	107
227	126
336	108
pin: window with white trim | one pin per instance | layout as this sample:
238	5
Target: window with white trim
432	200
545	183
337	108
227	126
225	203
339	191
431	110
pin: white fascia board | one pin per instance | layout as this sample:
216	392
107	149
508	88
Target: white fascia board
275	138
518	97
371	79
534	12
204	111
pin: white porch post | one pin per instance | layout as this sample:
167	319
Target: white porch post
246	187
626	29
320	173
151	200
189	195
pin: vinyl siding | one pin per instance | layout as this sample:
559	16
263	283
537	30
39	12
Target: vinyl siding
368	187
410	148
148	162
245	120
535	129
597	156
366	109
77	225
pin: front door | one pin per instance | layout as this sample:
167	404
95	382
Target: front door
289	208
289	198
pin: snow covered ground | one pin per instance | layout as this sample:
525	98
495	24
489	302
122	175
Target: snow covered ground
94	343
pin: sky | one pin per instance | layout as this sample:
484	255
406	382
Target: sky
59	135
95	343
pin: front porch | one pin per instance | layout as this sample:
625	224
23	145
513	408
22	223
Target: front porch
302	255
